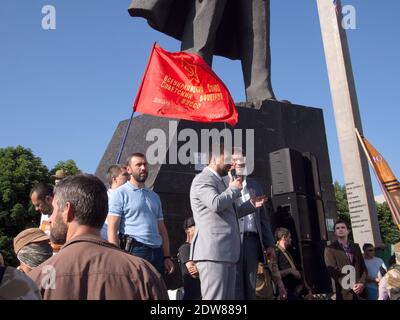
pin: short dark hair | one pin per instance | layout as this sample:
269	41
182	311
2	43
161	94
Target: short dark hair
339	222
280	233
188	222
88	196
137	155
212	148
113	172
367	245
42	190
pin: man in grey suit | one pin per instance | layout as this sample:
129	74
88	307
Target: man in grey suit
257	240
216	244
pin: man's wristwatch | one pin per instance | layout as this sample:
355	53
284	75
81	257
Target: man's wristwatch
167	257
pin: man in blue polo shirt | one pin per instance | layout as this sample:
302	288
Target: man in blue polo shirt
135	213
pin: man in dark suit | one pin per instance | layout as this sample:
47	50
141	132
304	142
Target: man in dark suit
236	29
345	264
256	237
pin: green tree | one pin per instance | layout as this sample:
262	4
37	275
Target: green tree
19	171
389	231
341	203
68	166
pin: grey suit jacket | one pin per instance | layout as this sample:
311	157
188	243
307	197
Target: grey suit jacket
214	212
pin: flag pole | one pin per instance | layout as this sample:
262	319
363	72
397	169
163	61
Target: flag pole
364	148
226	137
388	200
134	107
124	139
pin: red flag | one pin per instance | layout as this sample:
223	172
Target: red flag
182	86
389	184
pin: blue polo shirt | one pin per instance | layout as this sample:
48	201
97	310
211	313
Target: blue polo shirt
140	210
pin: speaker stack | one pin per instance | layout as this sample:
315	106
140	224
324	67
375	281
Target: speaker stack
298	206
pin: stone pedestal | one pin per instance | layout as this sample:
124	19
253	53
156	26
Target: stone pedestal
276	125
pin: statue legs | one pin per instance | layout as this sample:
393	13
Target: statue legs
254	35
255	49
201	26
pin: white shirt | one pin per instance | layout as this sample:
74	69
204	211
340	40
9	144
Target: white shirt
104	228
249	220
45	224
45	227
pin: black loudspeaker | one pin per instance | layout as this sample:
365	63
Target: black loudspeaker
317	219
313	266
320	220
291	211
303	216
287	171
313	185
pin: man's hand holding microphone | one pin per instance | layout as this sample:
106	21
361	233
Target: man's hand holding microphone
236	181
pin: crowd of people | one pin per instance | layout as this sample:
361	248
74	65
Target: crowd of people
99	243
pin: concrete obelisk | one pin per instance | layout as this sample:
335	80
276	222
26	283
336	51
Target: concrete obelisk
362	206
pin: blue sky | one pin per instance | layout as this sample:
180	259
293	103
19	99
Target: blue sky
63	91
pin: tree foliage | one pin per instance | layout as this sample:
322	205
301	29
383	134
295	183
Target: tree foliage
341	203
68	166
389	231
20	170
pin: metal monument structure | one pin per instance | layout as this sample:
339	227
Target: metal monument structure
360	197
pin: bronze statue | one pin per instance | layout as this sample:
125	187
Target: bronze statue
236	29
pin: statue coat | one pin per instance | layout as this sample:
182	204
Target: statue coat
169	17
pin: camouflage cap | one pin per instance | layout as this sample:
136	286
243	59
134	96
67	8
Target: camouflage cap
28	236
60	174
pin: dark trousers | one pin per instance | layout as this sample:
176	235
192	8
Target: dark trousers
246	268
153	255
